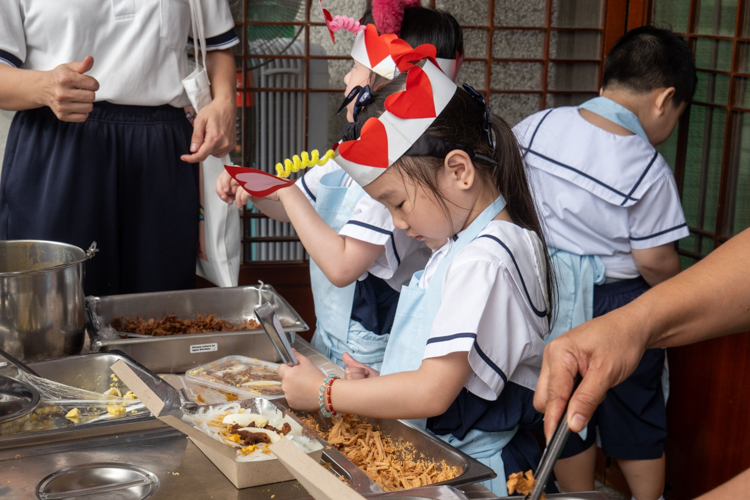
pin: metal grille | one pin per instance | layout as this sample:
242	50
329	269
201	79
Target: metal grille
711	159
524	56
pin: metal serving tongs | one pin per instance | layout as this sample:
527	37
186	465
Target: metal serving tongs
272	326
552	451
18	364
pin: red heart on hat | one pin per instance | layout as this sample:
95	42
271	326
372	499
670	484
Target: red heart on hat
416	101
404	55
371	148
256	182
377	46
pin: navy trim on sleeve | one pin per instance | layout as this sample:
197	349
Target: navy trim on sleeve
653	159
492	365
381	231
307	189
479	350
10	59
219	41
659	233
626	196
448	338
539	313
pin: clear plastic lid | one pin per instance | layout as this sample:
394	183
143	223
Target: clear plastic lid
246	377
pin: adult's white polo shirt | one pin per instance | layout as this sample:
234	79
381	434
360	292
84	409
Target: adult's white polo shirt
138	45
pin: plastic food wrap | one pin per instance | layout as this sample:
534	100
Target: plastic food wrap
246	377
59	402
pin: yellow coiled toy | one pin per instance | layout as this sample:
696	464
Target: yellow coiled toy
306	161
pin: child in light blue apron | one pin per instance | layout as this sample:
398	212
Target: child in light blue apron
612	214
358	260
466	345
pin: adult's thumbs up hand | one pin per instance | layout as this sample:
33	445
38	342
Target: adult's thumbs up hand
69	92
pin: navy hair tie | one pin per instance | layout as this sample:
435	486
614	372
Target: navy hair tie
479	99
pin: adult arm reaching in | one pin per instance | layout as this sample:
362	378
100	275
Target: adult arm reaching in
708	300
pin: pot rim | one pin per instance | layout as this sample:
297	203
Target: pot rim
87	254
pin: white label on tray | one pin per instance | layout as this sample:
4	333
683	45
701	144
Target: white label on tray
203	348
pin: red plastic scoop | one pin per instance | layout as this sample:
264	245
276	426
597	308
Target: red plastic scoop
256	182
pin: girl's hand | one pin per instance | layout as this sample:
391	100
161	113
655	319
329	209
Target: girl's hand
301	384
356	370
226	187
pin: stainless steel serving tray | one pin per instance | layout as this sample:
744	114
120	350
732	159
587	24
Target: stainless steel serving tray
179	353
90	372
428	445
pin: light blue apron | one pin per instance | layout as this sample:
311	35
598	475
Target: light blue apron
336	333
417	308
575	276
583	295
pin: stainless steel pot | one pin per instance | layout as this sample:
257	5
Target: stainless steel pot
42	307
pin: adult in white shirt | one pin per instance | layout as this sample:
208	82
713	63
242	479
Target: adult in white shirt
101	148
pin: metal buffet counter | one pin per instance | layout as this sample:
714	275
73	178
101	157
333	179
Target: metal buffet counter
128	454
48	456
146	450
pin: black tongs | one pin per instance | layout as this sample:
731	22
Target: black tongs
272	326
552	451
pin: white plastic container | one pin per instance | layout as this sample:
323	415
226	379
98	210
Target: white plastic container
246	377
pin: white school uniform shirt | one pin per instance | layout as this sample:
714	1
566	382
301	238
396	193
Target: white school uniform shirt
493	306
138	45
372	223
599	193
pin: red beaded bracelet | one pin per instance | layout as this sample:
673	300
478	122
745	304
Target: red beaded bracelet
324	397
329	406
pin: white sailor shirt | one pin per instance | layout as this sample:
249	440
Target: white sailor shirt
599	193
493	306
372	223
138	46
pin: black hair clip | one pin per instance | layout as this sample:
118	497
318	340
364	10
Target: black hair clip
479	99
353	93
363	96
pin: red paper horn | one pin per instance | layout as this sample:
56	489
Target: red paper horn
256	182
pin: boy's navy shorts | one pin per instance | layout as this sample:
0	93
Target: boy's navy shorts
632	419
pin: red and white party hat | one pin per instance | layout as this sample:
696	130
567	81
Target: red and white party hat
408	114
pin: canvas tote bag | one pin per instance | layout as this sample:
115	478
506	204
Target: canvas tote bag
219	245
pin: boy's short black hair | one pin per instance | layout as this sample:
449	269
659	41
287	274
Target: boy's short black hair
649	58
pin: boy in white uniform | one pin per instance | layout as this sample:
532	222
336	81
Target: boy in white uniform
612	214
